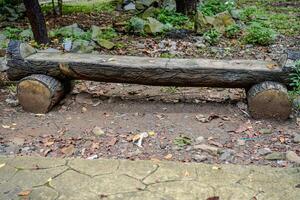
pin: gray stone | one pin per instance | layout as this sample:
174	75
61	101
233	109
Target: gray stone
200	45
275	156
264	151
297	138
71	31
12	102
3	64
49	50
235	13
130	6
227	154
154	26
169	4
199	139
82	46
199	158
292	156
96	32
106	43
207	148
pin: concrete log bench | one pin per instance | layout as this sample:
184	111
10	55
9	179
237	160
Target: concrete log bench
45	77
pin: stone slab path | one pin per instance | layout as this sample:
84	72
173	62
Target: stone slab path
43	178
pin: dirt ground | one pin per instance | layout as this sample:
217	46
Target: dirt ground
103	120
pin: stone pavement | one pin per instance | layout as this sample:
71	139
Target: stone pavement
43	178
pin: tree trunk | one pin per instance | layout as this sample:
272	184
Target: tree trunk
37	21
60	6
186	7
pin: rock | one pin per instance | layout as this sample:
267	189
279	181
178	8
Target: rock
201	25
200	45
241	142
98	131
236	13
12	102
264	151
146	3
178	33
220	21
296	102
275	156
71	31
154	26
81	46
296	138
96	32
3	64
265	131
106	43
130	6
150	12
84	98
227	154
293	157
27	34
207	148
137	24
199	139
199	158
67	44
93	157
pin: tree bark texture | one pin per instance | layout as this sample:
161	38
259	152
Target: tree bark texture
37	21
186	7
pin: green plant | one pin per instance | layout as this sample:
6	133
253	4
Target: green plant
109	34
167	55
12	33
295	79
136	25
232	31
212	7
170	90
212	36
171	17
256	33
182	141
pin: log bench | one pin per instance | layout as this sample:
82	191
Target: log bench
45	77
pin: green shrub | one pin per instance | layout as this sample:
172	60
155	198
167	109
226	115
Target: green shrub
109	34
252	13
212	7
12	33
295	79
136	25
172	17
232	31
259	34
212	36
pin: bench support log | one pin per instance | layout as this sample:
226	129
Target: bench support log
39	93
269	100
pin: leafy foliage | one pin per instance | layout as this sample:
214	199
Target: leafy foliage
136	25
12	33
295	79
256	33
212	7
232	31
212	36
172	17
182	141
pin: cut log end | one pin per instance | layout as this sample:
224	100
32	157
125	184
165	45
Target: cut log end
269	100
39	93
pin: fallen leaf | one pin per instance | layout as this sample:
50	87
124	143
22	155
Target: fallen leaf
69	150
24	193
95	145
47	151
271	65
2	165
186	174
281	139
5	126
151	133
203	119
112	141
168	157
135	137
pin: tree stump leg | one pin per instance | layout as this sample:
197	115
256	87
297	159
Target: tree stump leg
39	93
269	100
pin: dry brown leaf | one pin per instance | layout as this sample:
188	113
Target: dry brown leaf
112	141
69	150
168	157
24	193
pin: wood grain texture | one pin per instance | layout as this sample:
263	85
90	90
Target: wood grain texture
145	70
39	93
269	100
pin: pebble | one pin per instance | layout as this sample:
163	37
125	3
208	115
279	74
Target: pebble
227	154
264	151
292	156
207	148
98	131
93	157
199	158
12	102
275	156
297	138
199	139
